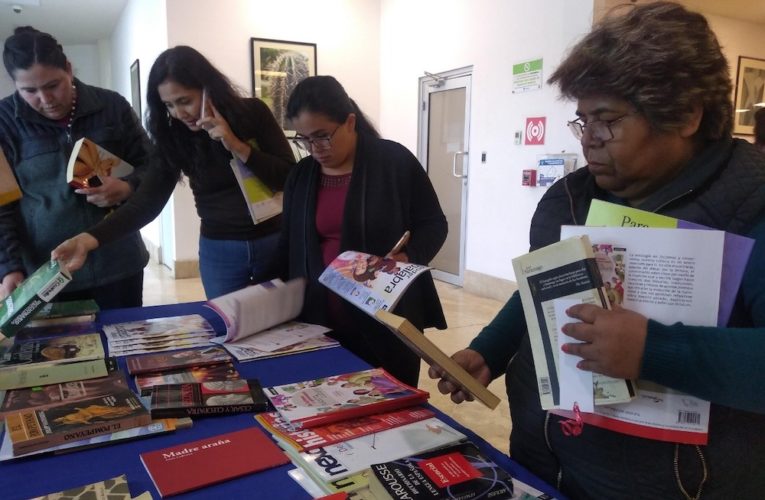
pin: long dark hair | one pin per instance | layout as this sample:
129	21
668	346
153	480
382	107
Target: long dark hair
325	95
28	46
181	149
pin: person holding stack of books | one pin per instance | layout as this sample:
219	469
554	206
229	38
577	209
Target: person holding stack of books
199	122
39	124
654	117
358	192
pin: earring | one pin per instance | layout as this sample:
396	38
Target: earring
169	120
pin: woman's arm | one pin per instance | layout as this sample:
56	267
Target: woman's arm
272	159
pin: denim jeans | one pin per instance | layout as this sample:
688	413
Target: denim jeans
229	265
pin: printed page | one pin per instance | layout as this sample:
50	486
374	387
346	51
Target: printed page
287	338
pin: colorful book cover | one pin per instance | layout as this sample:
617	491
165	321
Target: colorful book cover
35	375
316	437
52	351
350	457
32	430
161	362
207	398
115	488
736	248
208	373
89	161
368	281
460	471
31	295
261	201
190	466
327	400
54	330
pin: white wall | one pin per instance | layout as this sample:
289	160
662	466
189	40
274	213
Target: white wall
6	84
86	63
490	35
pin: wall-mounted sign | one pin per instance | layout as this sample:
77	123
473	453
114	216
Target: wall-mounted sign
535	131
527	76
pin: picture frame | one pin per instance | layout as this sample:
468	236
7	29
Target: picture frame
277	67
135	87
750	93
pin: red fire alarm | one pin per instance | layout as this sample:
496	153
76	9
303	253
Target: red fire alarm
529	177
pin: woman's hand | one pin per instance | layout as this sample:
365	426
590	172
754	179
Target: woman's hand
473	363
219	130
73	252
614	341
111	192
10	282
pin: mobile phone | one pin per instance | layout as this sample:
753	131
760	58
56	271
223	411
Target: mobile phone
204	103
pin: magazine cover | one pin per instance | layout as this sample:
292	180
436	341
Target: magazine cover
331	399
261	201
158	334
368	281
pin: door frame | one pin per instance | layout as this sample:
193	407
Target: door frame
428	83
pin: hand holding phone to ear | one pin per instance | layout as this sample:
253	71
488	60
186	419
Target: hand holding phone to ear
212	121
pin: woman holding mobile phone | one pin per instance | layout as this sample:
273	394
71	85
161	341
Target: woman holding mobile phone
199	121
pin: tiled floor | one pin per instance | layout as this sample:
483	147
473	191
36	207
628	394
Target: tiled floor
466	314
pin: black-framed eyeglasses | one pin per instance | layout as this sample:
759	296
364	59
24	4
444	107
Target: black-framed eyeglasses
317	143
599	129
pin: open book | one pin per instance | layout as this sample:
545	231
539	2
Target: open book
259	321
89	162
261	201
9	188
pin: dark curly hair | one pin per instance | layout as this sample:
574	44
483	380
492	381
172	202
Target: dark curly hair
660	57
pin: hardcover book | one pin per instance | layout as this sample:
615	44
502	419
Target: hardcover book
460	471
207	398
31	295
340	397
566	269
189	466
432	355
316	437
9	188
158	335
89	161
176	360
32	430
341	460
208	373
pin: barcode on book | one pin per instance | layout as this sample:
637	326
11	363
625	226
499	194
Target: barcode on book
689	417
544	385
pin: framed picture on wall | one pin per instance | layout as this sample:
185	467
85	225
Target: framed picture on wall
277	67
750	93
135	88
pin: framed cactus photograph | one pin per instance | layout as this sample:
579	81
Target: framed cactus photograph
277	66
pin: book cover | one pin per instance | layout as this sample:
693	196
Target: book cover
54	330
736	248
32	430
353	487
65	313
341	460
89	161
368	281
460	471
115	488
35	375
52	351
261	201
31	295
316	437
433	355
48	396
327	400
208	373
9	188
566	269
176	360
189	466
207	398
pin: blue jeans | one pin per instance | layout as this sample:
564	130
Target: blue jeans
229	265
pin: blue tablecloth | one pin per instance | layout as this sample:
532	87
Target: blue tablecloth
24	478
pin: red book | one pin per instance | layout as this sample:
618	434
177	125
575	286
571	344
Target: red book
189	466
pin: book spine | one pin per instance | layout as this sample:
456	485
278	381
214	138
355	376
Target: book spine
360	411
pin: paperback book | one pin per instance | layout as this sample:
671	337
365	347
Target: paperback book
261	201
35	375
208	398
32	430
341	460
146	382
54	330
65	313
324	435
115	488
158	335
326	400
370	282
9	188
190	466
31	295
89	162
176	360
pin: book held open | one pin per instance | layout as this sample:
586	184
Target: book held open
89	161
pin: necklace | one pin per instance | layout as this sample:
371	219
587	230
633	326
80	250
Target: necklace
71	115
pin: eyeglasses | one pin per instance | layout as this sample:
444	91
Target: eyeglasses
599	129
316	143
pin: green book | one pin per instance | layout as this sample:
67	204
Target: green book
30	296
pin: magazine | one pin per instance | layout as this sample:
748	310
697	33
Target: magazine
158	334
261	201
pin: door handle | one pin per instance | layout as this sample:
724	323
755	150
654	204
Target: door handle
463	175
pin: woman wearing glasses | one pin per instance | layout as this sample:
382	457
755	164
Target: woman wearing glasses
359	192
654	110
199	122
